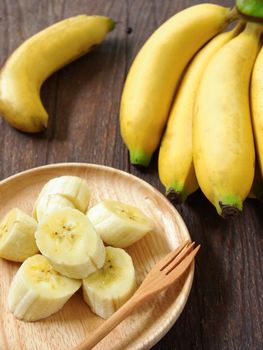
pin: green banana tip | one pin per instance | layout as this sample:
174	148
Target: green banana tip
112	24
139	158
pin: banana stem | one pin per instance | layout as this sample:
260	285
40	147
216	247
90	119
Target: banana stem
251	10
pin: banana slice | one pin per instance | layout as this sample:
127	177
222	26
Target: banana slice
38	291
73	188
109	288
119	224
47	203
67	238
17	236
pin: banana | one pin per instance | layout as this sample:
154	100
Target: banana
223	146
257	107
73	188
175	163
67	238
109	288
47	203
38	291
153	76
36	59
17	236
119	224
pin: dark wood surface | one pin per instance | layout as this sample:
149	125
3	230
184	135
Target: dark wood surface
225	307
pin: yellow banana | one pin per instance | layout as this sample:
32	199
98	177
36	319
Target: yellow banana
36	59
153	76
223	146
176	169
257	107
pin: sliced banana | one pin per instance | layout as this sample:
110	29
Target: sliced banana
47	203
109	288
67	238
17	236
119	224
73	188
38	291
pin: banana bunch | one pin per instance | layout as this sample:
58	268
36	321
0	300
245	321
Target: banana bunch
202	122
36	59
70	239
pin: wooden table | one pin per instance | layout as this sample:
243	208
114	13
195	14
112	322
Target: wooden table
224	310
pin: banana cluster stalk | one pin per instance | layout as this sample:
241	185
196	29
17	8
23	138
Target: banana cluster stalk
176	168
119	224
36	59
17	236
224	156
154	74
38	291
67	238
109	288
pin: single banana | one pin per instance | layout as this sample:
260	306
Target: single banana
17	236
73	188
119	224
67	238
257	107
176	169
109	288
153	76
38	291
47	203
223	146
36	59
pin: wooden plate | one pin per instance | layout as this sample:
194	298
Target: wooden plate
69	326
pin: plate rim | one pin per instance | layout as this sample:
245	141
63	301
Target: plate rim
187	286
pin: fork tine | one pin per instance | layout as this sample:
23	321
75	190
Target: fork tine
169	257
183	266
176	261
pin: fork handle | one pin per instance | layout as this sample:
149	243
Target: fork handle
109	324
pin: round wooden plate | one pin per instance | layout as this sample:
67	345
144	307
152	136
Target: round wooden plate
69	326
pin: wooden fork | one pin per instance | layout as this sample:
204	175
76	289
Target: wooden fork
162	275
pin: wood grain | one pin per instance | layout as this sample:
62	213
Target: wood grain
224	311
75	320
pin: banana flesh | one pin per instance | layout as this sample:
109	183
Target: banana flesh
36	59
119	224
67	238
47	203
38	291
153	76
224	154
176	169
109	288
17	236
73	188
257	107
